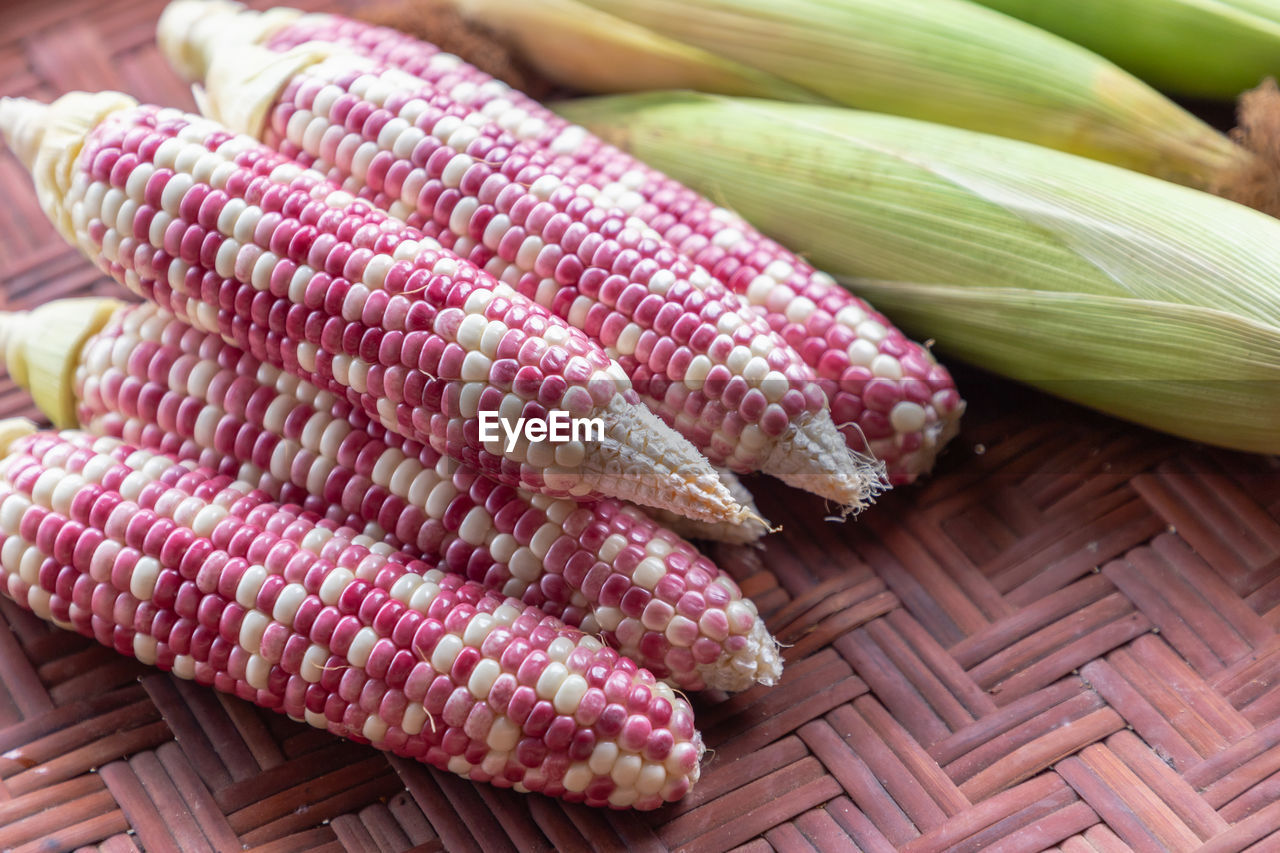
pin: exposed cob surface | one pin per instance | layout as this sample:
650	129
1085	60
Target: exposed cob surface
450	153
194	573
1136	296
236	239
150	380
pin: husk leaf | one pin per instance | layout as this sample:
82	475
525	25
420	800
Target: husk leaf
1148	300
1205	48
588	50
956	63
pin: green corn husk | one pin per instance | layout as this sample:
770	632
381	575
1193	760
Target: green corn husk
1147	300
1204	48
587	50
947	61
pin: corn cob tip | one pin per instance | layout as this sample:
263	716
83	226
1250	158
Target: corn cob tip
41	348
812	455
757	662
189	29
748	531
12	429
665	471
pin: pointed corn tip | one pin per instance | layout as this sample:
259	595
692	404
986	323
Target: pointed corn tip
644	461
812	455
757	663
22	123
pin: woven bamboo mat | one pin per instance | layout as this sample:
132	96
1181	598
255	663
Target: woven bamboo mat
1065	640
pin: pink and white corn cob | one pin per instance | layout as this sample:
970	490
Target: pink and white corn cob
191	572
702	359
156	383
235	239
888	393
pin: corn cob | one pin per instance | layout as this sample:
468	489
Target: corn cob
703	360
956	63
1138	297
155	383
1185	46
235	239
534	205
188	571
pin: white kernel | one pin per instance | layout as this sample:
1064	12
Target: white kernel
252	627
477	630
738	359
648	572
486	672
475	526
851	316
525	565
334	584
312	668
871	330
570	694
550	680
361	646
862	352
496	230
288	602
402	590
545	186
626	771
886	366
907	416
543	539
446	652
422	597
134	186
250	585
476	367
611	547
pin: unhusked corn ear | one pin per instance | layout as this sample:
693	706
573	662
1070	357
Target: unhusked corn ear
1144	299
235	239
888	394
154	382
192	572
1213	50
955	63
702	359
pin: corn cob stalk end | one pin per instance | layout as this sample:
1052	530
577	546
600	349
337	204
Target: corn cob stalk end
188	28
41	348
47	139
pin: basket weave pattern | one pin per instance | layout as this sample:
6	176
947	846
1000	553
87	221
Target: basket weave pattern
1066	639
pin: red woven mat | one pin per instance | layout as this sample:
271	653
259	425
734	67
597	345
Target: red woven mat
1065	640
